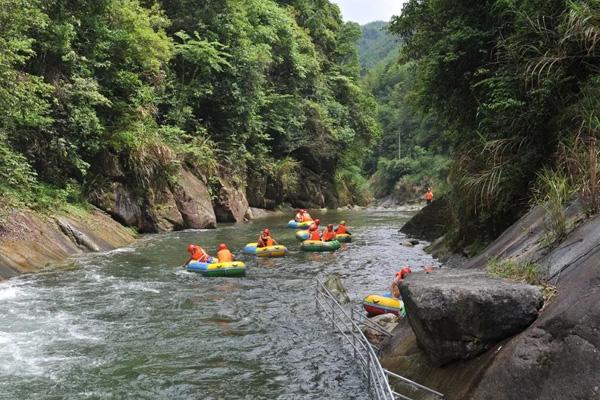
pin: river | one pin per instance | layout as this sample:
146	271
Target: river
129	324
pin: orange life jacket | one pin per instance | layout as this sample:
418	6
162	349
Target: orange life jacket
199	254
266	241
314	235
328	236
341	230
224	256
429	196
306	217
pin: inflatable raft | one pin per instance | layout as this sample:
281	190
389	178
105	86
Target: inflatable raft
343	237
318	245
299	225
269	251
376	304
226	269
302	235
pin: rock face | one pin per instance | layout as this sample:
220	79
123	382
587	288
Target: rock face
458	314
231	205
29	242
558	357
430	223
183	204
193	201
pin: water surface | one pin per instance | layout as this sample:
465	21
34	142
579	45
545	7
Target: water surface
130	324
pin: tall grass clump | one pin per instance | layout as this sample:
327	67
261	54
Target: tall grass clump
552	192
528	272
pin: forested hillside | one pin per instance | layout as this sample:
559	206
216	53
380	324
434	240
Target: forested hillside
376	45
412	152
110	99
514	86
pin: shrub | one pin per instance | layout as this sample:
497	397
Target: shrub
529	272
553	191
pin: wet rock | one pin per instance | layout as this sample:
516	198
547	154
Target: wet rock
194	202
431	222
408	243
78	237
120	202
458	314
259	213
385	322
164	213
31	242
231	204
336	287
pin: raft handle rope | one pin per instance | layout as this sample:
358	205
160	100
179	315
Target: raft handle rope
364	351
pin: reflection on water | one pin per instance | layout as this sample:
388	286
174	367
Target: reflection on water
132	324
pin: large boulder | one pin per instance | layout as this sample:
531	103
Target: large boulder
231	204
458	314
431	222
193	201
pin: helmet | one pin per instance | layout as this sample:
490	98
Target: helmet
222	246
191	248
266	231
343	223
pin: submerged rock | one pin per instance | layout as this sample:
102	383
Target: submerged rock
336	287
408	243
458	314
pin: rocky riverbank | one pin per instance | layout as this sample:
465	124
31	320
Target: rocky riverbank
31	241
472	336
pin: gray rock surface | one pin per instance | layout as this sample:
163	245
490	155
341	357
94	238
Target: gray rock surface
558	357
458	314
231	204
336	286
193	201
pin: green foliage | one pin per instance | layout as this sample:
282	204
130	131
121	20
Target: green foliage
507	82
421	168
377	45
553	191
529	272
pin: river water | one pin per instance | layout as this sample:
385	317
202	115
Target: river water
129	324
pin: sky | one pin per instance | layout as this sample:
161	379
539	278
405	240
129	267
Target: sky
363	11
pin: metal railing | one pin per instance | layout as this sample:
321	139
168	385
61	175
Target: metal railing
378	378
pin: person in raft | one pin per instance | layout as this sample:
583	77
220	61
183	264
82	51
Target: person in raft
223	253
299	216
313	232
428	196
305	216
342	229
400	276
265	239
328	234
197	253
316	223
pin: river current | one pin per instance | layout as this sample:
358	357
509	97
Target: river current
131	324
